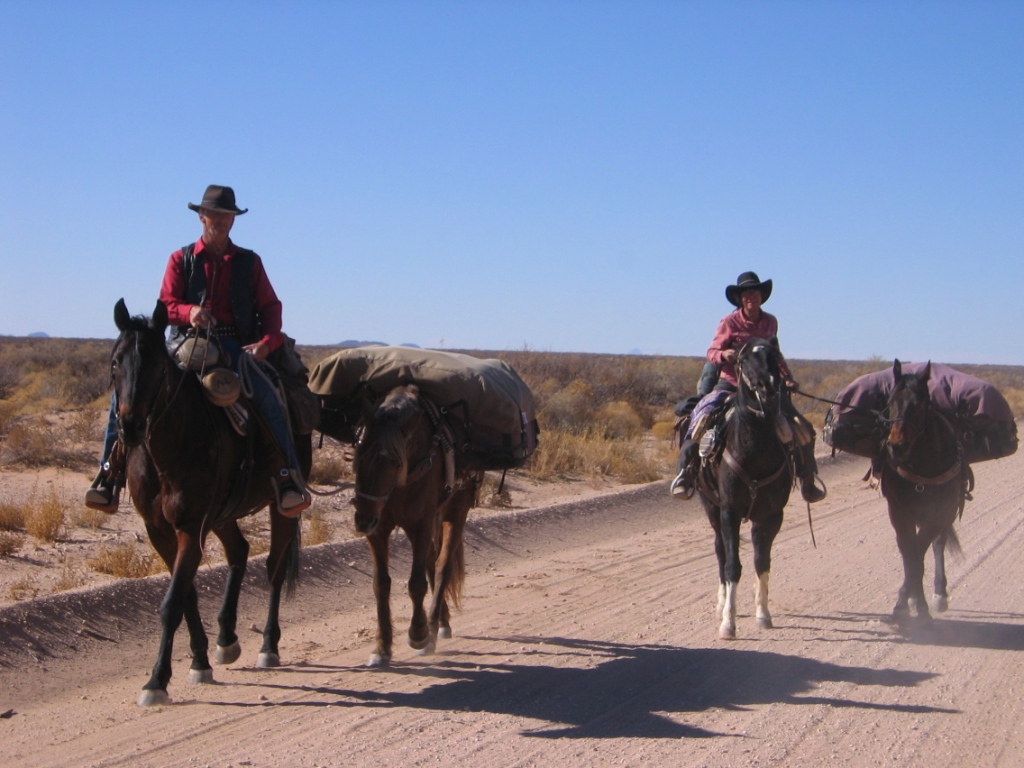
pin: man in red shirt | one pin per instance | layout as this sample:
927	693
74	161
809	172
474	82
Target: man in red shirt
217	286
748	321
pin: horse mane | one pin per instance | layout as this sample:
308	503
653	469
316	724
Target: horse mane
391	417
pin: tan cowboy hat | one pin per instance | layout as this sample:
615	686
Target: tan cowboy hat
219	199
222	387
745	282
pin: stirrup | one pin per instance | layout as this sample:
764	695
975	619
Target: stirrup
101	496
810	491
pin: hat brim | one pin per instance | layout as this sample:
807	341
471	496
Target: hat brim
733	292
237	212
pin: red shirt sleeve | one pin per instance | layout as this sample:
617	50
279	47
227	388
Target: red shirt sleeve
268	306
172	289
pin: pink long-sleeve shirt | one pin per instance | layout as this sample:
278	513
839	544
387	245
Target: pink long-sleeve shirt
734	331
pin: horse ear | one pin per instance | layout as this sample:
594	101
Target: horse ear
159	321
926	373
774	341
121	316
897	371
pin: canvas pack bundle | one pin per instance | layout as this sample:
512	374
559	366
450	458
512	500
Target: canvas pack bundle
490	409
978	411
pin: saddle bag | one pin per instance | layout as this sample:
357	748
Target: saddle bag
489	407
303	405
978	411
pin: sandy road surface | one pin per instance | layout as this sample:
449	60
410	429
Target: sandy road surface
587	637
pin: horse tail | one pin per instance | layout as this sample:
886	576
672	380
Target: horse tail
291	563
953	543
457	558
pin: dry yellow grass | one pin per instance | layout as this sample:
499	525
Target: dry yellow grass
12	516
10	543
45	520
317	529
125	561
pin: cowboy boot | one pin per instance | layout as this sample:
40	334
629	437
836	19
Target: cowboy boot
105	492
291	498
686	481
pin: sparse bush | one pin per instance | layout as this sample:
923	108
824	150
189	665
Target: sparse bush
10	543
318	528
329	468
256	533
45	521
491	497
69	579
12	516
24	589
125	561
620	421
86	517
564	453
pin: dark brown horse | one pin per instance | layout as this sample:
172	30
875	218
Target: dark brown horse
751	480
403	480
189	473
925	480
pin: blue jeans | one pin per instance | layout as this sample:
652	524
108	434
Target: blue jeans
264	398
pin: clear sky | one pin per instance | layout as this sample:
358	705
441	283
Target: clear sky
566	176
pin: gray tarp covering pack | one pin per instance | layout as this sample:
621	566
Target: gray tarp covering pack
490	409
979	412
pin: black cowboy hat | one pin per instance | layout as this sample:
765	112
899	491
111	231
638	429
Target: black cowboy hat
745	282
219	199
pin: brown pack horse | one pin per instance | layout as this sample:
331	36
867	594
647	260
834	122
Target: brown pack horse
925	480
402	481
189	473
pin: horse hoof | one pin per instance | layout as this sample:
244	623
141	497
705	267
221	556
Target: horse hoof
765	622
427	650
726	633
378	661
419	645
153	698
940	604
200	676
268	661
228	654
444	633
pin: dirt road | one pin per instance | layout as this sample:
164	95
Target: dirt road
587	638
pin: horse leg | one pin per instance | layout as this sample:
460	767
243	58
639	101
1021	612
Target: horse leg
912	554
714	516
180	600
423	559
450	569
378	542
282	573
731	572
941	601
763	536
236	550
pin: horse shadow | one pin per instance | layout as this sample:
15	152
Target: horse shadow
989	631
639	691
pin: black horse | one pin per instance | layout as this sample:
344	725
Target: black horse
925	480
751	480
406	478
190	473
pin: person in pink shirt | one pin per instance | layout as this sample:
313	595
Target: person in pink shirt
748	321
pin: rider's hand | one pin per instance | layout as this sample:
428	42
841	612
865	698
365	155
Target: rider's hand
259	351
729	356
199	317
792	385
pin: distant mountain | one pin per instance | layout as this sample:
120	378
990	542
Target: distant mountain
354	343
39	335
410	344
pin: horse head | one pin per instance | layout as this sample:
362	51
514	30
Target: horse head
759	376
908	409
139	366
394	432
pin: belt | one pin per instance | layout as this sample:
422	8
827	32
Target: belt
223	330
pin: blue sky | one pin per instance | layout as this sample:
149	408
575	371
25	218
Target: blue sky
566	176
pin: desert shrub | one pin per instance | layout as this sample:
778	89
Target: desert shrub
330	468
84	425
489	494
86	517
45	520
12	516
569	409
69	579
318	528
34	442
256	532
10	542
619	420
663	430
24	589
124	561
565	453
